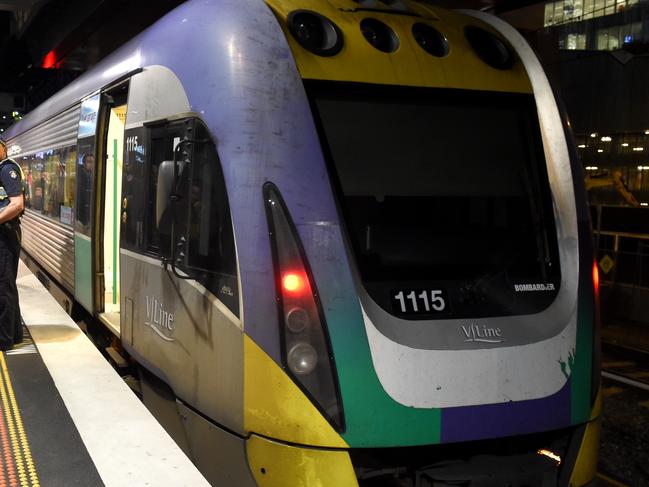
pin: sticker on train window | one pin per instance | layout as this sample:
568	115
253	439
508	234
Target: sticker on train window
419	301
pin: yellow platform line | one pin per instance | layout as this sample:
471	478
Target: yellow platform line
22	454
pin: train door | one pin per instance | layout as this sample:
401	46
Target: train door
112	150
84	264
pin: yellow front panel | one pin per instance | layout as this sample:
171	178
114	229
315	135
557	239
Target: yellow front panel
409	65
275	407
278	465
586	465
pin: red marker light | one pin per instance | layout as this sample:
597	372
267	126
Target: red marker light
292	283
49	61
595	277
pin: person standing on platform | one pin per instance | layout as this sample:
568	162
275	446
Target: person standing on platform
12	205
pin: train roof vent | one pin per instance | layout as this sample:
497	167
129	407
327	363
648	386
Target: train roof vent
489	48
379	35
430	39
315	32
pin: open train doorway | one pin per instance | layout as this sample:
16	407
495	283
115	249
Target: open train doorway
113	153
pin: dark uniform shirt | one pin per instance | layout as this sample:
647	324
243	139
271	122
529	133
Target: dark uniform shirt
10	181
11	328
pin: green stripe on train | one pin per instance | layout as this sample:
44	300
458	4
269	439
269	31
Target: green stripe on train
581	371
83	271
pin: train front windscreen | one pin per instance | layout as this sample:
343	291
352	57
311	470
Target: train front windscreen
443	190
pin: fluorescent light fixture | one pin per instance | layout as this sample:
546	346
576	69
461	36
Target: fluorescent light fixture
549	454
600	150
592	168
606	139
582	146
644	204
625	144
594	134
638	149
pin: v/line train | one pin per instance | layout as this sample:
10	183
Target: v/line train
346	241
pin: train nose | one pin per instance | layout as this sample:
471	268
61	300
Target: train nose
275	464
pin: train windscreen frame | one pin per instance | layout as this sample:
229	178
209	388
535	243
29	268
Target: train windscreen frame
445	197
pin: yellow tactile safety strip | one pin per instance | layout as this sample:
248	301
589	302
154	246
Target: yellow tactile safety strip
17	467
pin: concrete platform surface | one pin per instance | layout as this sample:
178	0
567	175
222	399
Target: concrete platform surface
127	445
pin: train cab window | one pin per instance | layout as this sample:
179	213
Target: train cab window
210	242
202	244
163	141
445	196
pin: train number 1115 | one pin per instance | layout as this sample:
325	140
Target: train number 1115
420	301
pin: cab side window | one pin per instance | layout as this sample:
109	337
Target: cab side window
163	142
194	232
210	239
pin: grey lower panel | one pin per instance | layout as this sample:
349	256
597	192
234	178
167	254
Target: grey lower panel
197	352
218	454
51	244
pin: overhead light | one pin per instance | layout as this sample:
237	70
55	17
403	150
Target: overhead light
644	204
582	146
606	139
625	144
549	454
643	168
646	132
594	134
600	150
638	149
592	168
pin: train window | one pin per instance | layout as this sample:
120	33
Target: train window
50	183
204	240
85	181
133	182
442	190
211	256
163	140
210	242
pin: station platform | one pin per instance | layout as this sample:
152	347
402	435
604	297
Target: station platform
68	419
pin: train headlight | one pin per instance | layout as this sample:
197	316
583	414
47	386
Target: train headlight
431	40
315	33
302	359
379	35
305	345
489	48
297	319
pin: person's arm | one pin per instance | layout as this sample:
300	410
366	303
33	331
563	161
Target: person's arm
13	209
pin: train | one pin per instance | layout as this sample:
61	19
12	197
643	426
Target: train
346	242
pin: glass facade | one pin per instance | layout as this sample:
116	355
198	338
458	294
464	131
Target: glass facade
566	11
603	25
